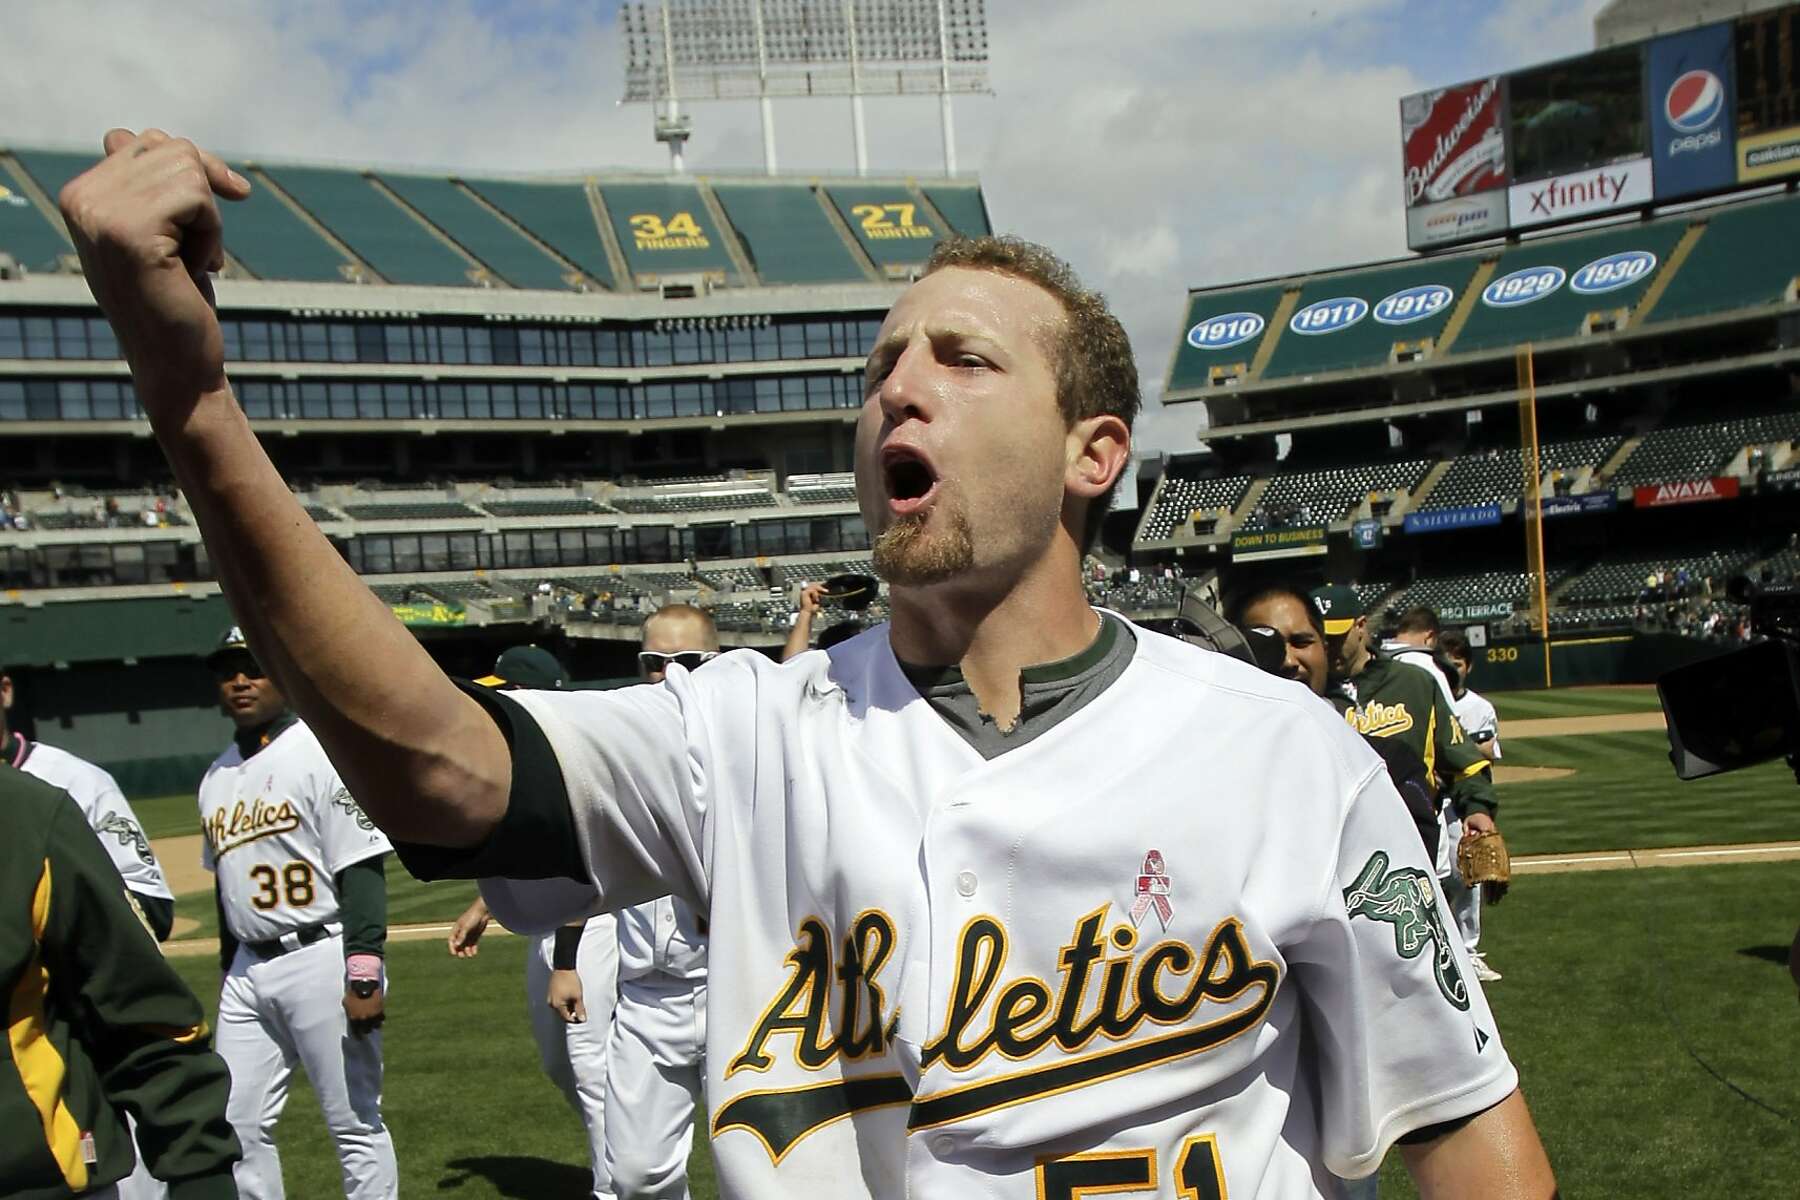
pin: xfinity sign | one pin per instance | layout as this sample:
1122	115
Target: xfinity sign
1585	193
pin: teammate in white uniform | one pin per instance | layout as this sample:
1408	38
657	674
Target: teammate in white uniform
657	1054
109	814
302	921
1475	713
1061	906
571	975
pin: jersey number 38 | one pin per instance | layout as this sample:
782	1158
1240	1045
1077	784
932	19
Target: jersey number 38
294	884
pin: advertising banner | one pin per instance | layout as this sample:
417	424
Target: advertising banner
1493	609
1453	141
1691	112
1785	480
1766	91
1442	520
1565	197
433	614
1462	219
1568	506
1278	543
1690	491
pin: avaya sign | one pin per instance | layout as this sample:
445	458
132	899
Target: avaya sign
1690	491
1603	189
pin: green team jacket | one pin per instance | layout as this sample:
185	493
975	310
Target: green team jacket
98	1023
1398	700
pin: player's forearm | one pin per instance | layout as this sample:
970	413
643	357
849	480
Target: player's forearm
1496	1156
422	759
799	638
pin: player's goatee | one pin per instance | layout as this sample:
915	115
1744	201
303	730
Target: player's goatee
907	555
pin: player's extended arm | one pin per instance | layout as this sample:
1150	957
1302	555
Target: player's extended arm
428	765
799	638
1465	770
1496	1156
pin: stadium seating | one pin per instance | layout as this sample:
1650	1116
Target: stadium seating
1679	452
1369	342
52	170
698	501
657	241
787	235
1560	313
1193	364
1457	591
1180	497
573	506
1499	474
319	512
789	575
963	207
417	510
890	224
733	579
510	256
376	229
1747	255
268	238
838	488
1623	581
1321	497
557	214
33	241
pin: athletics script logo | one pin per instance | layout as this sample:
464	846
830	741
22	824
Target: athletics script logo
128	834
1404	899
342	799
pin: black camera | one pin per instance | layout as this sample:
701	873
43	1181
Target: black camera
1741	708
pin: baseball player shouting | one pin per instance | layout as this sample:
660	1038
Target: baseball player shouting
1005	896
297	869
571	975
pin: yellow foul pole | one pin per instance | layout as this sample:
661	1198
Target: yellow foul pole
1532	503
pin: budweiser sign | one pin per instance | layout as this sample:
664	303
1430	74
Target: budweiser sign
1454	144
1688	491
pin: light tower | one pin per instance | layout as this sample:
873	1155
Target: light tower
680	51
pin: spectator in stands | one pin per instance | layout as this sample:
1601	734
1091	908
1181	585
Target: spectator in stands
1482	724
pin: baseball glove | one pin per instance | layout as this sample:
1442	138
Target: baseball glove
1481	859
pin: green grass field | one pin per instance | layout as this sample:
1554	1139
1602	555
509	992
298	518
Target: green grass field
409	903
1572	702
1606	975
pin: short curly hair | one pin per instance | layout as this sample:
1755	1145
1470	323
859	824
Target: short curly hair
1096	374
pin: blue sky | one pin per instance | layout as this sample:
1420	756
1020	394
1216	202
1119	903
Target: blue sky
1157	144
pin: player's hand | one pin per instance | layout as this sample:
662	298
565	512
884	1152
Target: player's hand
811	597
367	1015
1478	822
146	225
465	935
565	997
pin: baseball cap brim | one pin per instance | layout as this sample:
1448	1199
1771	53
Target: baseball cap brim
1339	627
491	681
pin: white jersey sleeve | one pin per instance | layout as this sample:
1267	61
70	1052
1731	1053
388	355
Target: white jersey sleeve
108	813
641	766
1475	713
1405	1037
346	834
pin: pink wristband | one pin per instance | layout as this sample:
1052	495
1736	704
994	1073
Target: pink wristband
363	966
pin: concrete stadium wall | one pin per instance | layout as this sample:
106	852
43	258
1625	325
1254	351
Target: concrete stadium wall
1586	660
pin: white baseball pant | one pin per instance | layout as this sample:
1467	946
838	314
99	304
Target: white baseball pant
574	1056
140	1184
654	1072
1465	902
274	1011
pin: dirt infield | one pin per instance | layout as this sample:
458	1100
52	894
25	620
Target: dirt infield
1504	774
1672	856
1642	722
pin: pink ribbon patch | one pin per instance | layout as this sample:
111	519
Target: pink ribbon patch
1152	891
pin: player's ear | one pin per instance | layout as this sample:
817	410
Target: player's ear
1098	448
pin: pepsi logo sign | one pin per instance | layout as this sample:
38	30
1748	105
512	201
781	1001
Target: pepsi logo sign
1694	101
1413	304
1329	316
1613	272
1523	287
1225	331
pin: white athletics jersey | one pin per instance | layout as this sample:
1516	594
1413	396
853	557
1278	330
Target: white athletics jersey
107	812
661	938
1475	713
279	827
1189	932
1425	660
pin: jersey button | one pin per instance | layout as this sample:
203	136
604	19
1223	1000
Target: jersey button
965	883
942	1145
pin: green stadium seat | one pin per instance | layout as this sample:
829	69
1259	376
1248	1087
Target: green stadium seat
1181	496
374	227
512	257
665	229
1369	342
1747	256
888	223
557	214
1499	475
264	234
1559	314
51	170
787	235
26	234
1680	452
963	207
1194	363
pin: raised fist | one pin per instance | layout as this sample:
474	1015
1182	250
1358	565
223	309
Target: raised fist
146	224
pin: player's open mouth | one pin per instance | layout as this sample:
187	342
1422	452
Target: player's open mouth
909	478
